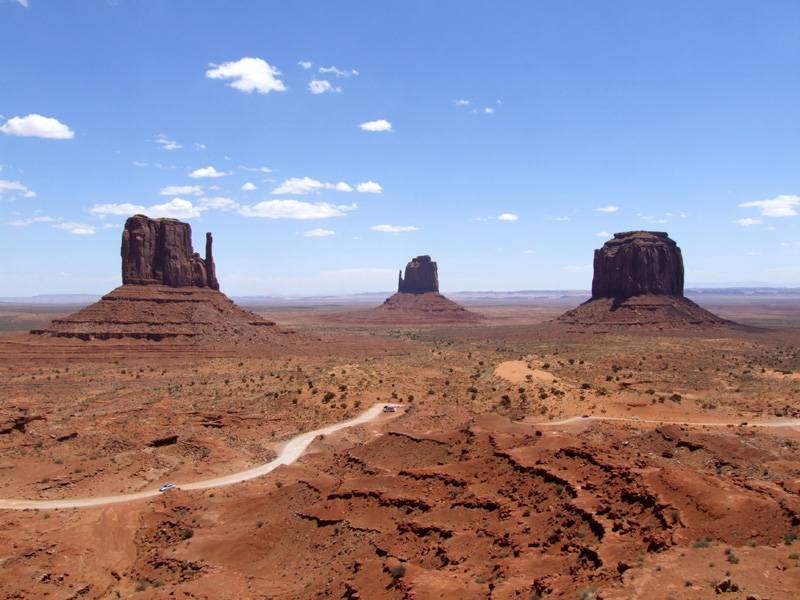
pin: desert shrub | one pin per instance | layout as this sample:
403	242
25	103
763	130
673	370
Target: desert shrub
397	571
703	542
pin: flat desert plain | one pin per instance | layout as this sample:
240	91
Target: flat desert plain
525	459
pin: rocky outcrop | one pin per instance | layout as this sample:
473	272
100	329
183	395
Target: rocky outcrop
638	282
417	301
421	277
159	251
635	263
168	293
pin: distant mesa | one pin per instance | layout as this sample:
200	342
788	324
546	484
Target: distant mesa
168	291
638	281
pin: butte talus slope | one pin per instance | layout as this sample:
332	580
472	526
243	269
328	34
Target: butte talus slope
417	300
168	291
638	281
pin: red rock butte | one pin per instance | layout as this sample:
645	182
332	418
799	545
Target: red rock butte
168	291
418	299
638	281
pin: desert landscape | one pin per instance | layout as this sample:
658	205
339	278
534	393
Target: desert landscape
529	453
420	300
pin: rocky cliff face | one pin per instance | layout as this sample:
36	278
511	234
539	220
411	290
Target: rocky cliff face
159	251
421	277
636	263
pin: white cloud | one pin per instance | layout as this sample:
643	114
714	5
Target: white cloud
122	209
295	209
339	72
206	173
199	146
780	206
608	209
256	169
249	187
177	208
166	143
219	203
249	75
508	217
182	190
378	125
559	219
306	64
320	86
77	228
37	126
24	3
15	187
369	187
488	110
529	252
306	185
748	222
30	221
319	232
603	234
461	103
652	219
299	186
394	228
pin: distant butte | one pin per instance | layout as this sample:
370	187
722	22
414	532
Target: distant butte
168	291
422	277
638	281
417	301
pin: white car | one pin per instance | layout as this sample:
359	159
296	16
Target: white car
389	408
167	487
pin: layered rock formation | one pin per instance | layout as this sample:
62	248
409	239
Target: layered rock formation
638	281
159	251
168	291
422	277
636	263
417	301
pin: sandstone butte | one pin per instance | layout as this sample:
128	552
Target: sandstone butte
168	291
418	298
638	281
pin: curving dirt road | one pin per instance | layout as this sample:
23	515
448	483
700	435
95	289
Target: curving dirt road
290	452
295	447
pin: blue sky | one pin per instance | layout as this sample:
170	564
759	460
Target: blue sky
487	134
